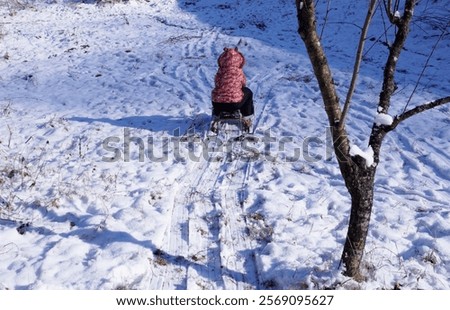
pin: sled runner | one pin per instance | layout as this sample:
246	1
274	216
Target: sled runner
232	126
220	122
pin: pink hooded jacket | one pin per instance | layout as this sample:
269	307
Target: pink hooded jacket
230	77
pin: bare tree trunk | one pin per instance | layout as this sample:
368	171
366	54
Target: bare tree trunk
358	176
362	193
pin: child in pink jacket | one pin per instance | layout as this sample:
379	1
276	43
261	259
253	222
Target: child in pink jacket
230	92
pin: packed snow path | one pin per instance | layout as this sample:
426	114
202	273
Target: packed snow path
208	237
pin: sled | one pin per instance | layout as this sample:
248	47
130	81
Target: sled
227	121
230	126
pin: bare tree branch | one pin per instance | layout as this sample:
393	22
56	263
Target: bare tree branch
379	132
326	19
390	12
307	30
384	26
308	33
384	34
387	8
444	32
391	63
358	59
419	109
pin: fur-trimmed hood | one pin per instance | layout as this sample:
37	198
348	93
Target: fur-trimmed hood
231	57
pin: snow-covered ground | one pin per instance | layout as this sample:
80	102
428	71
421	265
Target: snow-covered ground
104	183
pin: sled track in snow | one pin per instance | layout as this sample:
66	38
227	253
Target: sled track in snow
207	245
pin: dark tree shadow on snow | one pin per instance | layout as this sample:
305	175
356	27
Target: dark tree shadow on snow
260	20
99	235
174	126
